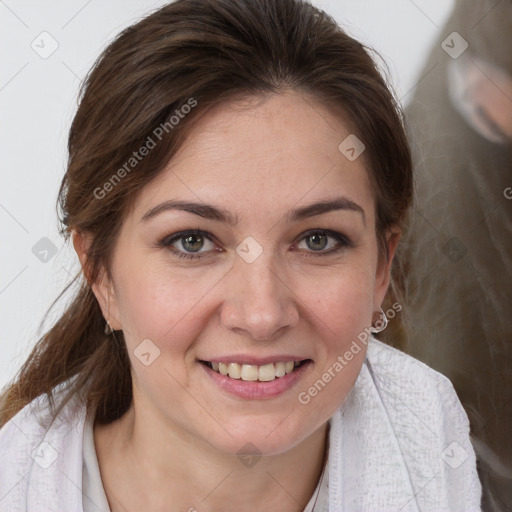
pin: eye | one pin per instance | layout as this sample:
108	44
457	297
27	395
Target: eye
318	241
188	244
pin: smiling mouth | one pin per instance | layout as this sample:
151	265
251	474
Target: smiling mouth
252	372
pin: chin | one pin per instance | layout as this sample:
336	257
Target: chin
261	436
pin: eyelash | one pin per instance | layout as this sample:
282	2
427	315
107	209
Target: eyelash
343	242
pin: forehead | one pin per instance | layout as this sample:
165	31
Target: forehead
267	154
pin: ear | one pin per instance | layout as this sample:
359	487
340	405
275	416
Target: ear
383	273
102	286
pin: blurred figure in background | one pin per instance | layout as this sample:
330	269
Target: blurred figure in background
457	257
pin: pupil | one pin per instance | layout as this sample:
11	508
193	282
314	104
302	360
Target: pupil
188	240
318	239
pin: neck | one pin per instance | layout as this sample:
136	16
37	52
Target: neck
148	468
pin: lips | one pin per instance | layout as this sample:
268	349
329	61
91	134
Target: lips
257	389
254	372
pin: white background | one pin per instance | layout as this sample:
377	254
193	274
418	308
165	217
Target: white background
38	101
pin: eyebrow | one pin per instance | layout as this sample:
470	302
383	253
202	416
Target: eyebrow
213	213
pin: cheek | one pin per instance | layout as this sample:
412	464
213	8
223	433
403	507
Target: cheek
163	304
340	309
341	299
343	303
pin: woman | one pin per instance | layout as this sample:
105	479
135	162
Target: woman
237	183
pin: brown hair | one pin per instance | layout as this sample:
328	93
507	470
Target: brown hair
202	51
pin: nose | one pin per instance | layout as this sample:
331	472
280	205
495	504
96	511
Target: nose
258	303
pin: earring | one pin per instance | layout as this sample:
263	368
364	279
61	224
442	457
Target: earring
108	329
380	324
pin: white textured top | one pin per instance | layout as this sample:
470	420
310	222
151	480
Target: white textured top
400	442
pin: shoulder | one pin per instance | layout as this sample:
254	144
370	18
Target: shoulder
429	424
411	380
34	450
401	440
413	389
35	419
400	369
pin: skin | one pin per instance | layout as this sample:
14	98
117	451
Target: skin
179	441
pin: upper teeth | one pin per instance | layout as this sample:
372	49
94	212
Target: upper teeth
265	373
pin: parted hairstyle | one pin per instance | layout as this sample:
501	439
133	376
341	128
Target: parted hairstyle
197	53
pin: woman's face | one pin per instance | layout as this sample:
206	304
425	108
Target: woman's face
257	276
